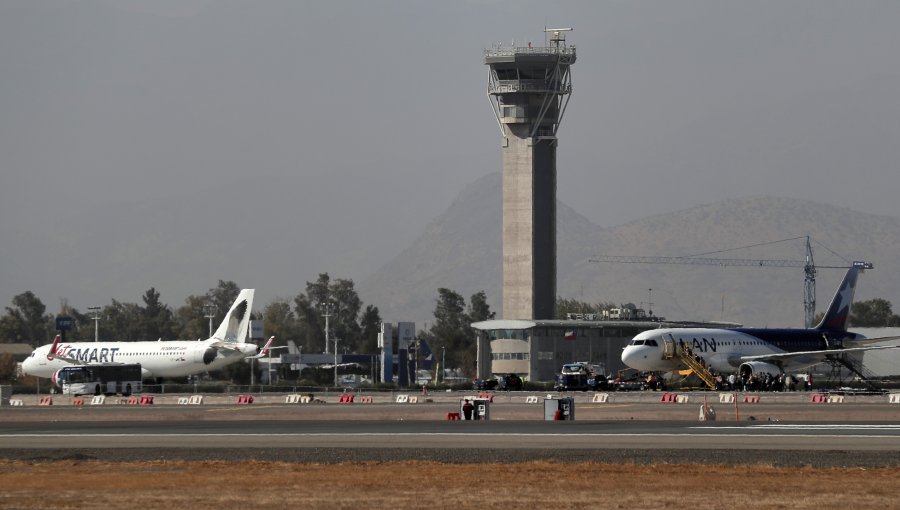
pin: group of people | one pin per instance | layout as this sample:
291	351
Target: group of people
763	382
750	382
687	351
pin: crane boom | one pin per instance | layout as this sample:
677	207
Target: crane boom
809	267
706	261
698	261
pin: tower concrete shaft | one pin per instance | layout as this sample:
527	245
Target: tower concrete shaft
529	88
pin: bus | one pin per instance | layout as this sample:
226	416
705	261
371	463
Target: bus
99	379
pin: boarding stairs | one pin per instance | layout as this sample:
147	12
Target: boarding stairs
673	350
701	371
854	365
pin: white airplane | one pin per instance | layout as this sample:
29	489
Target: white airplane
755	350
176	358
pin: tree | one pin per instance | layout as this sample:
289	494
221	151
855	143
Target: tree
566	306
191	320
370	323
279	320
451	330
312	337
121	322
479	309
25	321
873	313
157	320
347	312
7	368
223	296
342	302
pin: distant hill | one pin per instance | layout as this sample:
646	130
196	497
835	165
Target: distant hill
461	250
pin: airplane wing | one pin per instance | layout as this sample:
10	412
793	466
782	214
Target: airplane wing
875	340
339	365
815	354
67	360
52	354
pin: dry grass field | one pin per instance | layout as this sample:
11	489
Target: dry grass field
251	484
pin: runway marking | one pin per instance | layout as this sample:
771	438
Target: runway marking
239	407
433	434
787	426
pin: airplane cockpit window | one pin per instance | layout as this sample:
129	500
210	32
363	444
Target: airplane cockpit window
652	342
637	342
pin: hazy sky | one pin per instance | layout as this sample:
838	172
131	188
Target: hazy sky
373	115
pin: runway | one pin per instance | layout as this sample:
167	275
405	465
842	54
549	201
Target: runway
450	435
864	431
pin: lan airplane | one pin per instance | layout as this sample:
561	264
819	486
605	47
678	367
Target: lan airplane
157	359
754	350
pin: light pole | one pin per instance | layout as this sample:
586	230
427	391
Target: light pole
95	316
650	302
335	363
443	362
210	310
269	367
327	310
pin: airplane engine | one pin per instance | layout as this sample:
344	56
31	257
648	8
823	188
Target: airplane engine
146	374
758	367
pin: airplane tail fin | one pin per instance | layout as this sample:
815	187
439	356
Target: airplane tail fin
52	352
838	312
265	350
235	326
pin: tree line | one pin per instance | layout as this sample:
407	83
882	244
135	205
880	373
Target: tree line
301	319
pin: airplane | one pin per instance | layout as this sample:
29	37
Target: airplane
755	350
177	358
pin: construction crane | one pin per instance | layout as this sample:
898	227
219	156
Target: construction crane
809	269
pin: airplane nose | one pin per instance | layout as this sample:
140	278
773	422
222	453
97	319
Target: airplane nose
628	356
635	357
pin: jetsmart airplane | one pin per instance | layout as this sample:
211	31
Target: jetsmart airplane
158	359
753	350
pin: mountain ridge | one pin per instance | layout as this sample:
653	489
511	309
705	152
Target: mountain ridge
461	250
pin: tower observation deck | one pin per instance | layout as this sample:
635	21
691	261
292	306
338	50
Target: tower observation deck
529	89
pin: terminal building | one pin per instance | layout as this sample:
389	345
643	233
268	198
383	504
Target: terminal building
536	349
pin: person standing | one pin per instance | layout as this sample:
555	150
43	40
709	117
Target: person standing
467	409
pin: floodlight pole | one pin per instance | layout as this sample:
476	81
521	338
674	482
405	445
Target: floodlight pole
95	316
210	310
269	368
327	309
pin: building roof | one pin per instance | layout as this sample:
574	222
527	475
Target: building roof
561	324
16	349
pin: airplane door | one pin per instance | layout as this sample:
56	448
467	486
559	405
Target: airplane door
668	346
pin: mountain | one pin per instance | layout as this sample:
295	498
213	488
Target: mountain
461	250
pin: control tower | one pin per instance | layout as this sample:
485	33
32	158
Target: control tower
529	88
